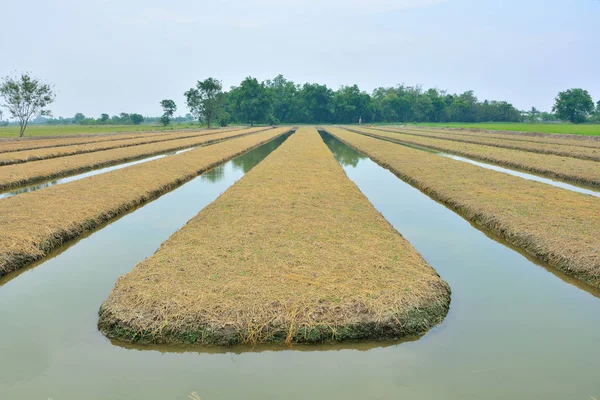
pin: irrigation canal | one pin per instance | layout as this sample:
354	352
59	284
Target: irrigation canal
515	330
509	171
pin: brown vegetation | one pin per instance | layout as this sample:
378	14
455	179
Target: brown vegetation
554	225
13	176
292	252
33	224
581	172
17	157
540	146
31	143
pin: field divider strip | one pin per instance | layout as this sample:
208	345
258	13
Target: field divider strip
36	223
293	252
485	142
56	152
556	226
533	163
19	175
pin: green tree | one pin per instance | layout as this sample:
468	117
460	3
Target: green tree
104	118
573	105
26	97
251	101
78	118
283	94
206	101
169	109
136	119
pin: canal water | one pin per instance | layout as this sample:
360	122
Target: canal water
515	330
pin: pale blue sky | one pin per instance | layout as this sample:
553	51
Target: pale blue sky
113	55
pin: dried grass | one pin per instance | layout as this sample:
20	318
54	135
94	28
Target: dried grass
33	224
293	252
17	157
13	176
554	225
40	142
581	172
578	146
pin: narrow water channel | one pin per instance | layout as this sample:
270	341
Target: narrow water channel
76	177
514	329
509	171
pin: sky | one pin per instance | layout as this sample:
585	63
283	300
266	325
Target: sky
112	56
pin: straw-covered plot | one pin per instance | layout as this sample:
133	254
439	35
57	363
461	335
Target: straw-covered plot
292	252
12	176
540	146
555	225
33	224
17	157
31	143
582	172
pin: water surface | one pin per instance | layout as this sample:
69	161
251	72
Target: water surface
514	330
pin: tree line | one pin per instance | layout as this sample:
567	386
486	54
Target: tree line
281	101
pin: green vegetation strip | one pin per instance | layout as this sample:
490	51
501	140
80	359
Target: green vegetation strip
33	224
552	224
582	172
568	149
18	157
292	252
13	176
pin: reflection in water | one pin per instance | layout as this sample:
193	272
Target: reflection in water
345	155
99	171
214	175
249	160
33	188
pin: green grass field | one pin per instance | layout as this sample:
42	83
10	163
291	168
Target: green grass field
561	128
56	130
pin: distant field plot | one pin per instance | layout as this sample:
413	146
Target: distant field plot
583	129
33	224
584	149
293	252
57	130
16	157
554	225
16	175
583	172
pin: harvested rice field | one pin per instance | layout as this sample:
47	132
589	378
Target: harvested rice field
21	144
556	226
36	223
309	260
13	176
581	172
216	264
585	150
24	156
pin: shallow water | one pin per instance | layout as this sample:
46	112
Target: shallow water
514	329
509	171
38	186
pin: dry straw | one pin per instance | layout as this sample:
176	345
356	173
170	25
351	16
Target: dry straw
40	142
565	148
293	252
17	157
13	176
540	137
33	224
581	172
554	225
